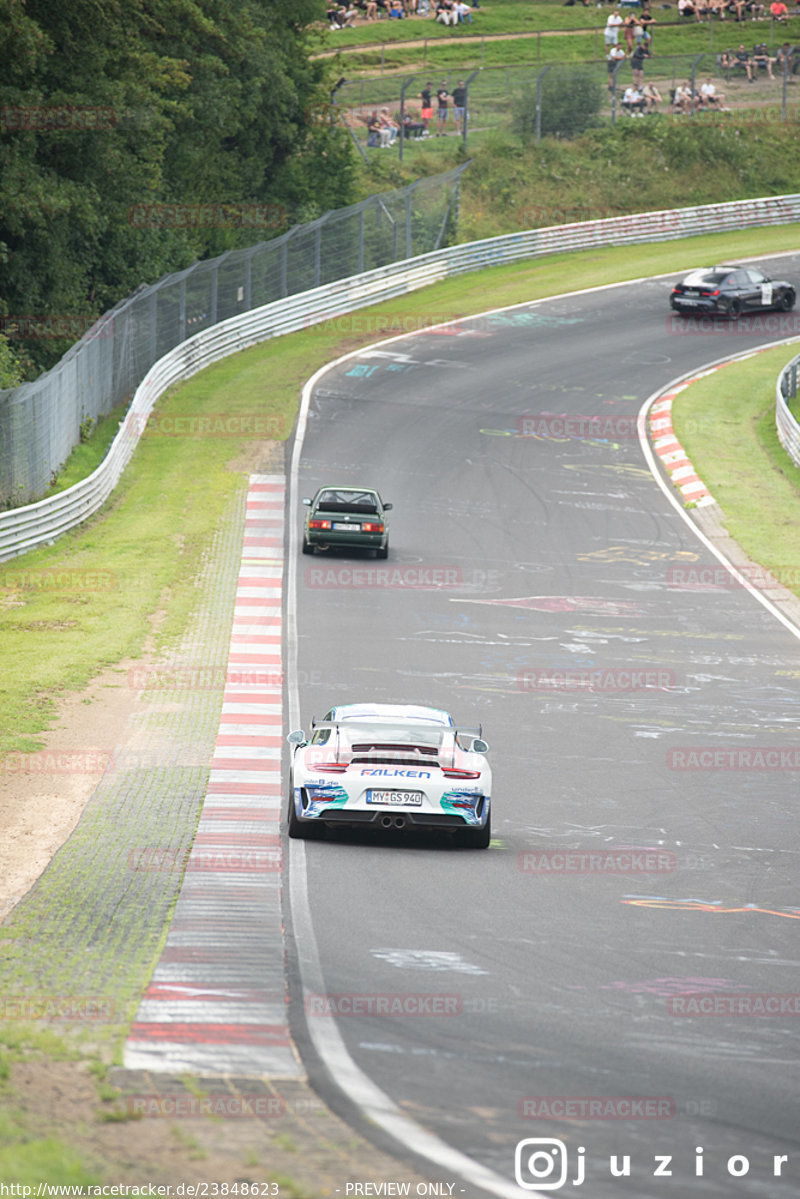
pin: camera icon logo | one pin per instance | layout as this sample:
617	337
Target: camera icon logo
540	1164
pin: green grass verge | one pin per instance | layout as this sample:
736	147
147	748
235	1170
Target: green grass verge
726	424
89	601
89	453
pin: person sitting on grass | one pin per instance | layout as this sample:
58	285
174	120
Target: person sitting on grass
742	59
652	97
411	126
763	58
389	128
633	101
779	12
683	100
710	97
374	130
783	57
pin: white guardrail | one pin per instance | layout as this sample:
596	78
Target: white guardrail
23	529
786	425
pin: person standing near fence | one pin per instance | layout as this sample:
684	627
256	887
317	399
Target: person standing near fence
442	97
611	35
637	63
459	104
426	115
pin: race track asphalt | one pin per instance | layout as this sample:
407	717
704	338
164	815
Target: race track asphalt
539	582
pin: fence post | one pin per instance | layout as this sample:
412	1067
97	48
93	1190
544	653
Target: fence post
407	83
465	118
182	310
539	79
698	60
214	292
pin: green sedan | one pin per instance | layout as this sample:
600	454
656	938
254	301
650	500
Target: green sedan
349	517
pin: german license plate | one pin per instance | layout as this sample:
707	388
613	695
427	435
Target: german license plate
396	799
347	528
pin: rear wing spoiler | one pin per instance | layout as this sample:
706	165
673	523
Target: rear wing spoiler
469	732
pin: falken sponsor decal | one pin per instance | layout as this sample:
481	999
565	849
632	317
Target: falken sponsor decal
404	774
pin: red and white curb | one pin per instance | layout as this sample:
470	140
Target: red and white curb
216	1003
673	456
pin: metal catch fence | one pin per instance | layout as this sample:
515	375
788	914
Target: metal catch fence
40	421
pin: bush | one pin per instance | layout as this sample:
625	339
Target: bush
571	103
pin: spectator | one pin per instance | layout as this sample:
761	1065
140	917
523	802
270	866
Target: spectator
684	99
444	12
389	128
647	19
459	103
783	57
762	58
637	63
710	97
374	130
779	12
412	127
628	29
652	97
396	10
463	12
342	17
742	59
633	101
687	9
426	114
442	97
736	8
614	57
613	23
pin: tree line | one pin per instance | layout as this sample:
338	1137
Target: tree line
137	136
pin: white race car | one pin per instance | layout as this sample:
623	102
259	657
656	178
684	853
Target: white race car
390	766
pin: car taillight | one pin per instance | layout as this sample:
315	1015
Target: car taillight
331	767
676	291
372	528
452	773
715	293
319	524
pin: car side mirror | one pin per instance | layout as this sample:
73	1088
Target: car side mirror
386	507
306	500
297	738
479	746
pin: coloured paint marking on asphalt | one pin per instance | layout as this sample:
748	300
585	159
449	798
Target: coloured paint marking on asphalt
715	906
563	603
216	1001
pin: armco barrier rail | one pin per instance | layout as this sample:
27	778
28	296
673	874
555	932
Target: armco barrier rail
785	423
22	529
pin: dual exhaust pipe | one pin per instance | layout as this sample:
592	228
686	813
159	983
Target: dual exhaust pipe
393	822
